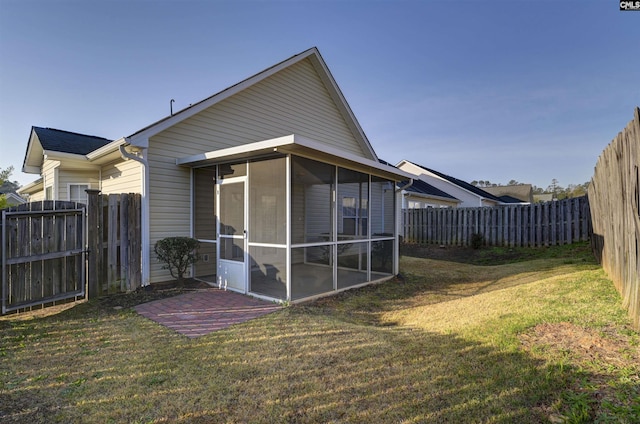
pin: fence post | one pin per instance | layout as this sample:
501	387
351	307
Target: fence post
94	243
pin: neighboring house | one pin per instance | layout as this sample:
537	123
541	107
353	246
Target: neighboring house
510	200
544	197
419	195
13	199
520	193
273	175
469	195
62	160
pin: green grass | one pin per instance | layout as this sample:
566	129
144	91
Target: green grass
450	342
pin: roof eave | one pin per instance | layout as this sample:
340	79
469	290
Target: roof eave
106	149
294	144
70	160
32	187
31	164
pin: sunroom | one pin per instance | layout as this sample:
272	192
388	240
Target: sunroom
290	219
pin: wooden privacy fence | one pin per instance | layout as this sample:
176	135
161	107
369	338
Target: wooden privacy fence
545	224
614	194
43	247
48	246
114	242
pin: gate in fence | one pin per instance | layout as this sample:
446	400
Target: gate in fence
43	253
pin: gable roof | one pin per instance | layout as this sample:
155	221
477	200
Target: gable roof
53	140
423	187
14	198
140	138
462	184
68	142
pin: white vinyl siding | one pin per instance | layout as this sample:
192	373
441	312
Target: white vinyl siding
317	219
410	202
292	101
49	179
67	177
123	176
169	202
468	199
37	196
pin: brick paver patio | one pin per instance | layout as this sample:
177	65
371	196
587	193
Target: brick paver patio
201	312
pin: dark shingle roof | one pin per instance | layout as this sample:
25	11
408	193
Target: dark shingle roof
68	142
422	187
509	199
462	184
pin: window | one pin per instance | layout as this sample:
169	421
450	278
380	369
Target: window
353	191
78	194
352	215
349	216
48	193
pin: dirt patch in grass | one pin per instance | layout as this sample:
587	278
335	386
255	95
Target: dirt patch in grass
584	344
606	358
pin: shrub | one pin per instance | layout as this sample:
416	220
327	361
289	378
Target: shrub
178	254
477	240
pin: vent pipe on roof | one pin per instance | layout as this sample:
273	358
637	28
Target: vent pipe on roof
171	106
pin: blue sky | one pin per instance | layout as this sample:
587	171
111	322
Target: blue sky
481	90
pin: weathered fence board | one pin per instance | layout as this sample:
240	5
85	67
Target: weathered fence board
614	196
560	222
43	247
114	242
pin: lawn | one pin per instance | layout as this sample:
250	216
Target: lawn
540	337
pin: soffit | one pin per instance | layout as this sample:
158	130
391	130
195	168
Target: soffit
295	145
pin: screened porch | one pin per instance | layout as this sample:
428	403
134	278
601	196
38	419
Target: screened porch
289	227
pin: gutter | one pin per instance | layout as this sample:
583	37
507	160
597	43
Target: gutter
144	213
31	187
406	186
106	149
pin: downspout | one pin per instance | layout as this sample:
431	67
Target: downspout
144	257
396	262
406	186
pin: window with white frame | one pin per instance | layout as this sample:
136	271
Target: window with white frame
354	216
48	193
78	194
